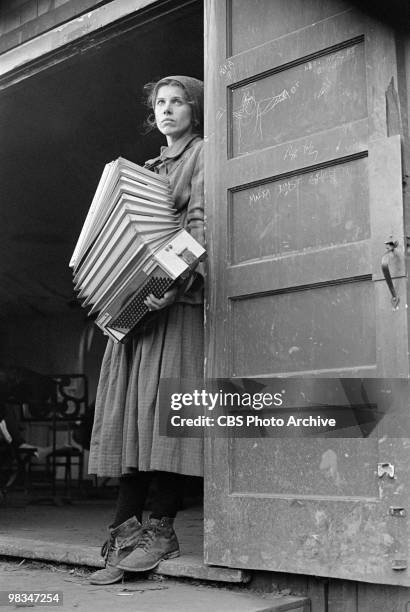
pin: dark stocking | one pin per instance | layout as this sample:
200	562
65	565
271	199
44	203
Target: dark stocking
167	494
131	496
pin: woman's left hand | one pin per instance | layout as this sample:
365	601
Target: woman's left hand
155	303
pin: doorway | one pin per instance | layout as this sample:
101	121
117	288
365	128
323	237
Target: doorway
58	129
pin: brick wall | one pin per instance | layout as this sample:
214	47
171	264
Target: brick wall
21	20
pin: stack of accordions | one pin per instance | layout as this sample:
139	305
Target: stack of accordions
131	245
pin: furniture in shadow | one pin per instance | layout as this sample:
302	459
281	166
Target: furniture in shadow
62	412
14	469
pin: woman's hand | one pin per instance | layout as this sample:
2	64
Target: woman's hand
155	303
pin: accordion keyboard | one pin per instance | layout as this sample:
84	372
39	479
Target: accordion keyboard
137	309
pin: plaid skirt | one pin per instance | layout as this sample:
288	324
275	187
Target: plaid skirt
126	424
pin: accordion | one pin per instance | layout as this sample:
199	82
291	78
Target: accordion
131	245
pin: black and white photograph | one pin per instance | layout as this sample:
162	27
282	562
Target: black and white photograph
204	321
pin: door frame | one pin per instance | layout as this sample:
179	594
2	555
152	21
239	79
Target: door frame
81	34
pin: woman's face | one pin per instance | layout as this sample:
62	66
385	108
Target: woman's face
173	114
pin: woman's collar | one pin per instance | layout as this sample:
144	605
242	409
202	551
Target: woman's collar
178	147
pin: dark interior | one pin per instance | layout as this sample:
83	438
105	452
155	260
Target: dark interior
57	130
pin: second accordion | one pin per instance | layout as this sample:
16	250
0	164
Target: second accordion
131	245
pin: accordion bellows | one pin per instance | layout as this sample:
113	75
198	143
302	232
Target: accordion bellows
131	245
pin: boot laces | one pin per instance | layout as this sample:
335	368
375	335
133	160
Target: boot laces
108	548
104	549
147	536
113	545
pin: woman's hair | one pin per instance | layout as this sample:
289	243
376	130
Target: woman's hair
151	92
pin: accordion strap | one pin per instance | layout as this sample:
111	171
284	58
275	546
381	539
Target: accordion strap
154	165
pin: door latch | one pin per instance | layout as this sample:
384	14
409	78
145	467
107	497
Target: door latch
385	469
390	246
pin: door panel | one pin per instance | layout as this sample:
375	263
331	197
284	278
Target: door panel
298	101
303	187
248	30
325	474
296	331
307	210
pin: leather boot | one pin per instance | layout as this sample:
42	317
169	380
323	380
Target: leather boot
121	541
157	542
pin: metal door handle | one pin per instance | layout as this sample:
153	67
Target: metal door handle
391	245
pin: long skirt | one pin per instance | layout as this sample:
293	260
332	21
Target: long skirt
126	425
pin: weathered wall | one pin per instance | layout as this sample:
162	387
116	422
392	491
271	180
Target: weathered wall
21	20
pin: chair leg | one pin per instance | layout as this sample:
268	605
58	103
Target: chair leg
80	470
68	476
26	465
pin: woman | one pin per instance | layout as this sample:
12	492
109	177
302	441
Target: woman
125	440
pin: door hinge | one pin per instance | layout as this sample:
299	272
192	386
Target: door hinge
385	469
399	565
397	511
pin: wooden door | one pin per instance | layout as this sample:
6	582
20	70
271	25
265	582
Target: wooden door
303	189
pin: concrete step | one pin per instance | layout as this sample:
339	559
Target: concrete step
189	598
185	566
142	595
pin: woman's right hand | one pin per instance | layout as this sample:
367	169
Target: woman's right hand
168	299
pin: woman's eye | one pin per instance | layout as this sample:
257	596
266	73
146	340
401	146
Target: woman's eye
173	101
